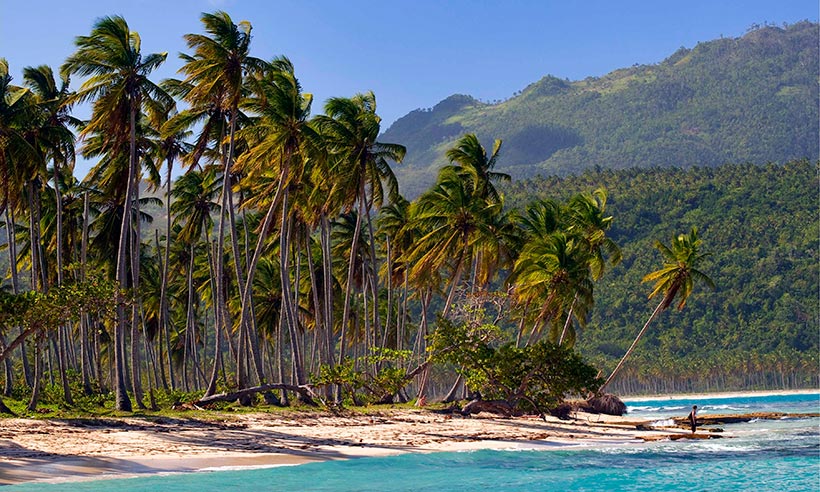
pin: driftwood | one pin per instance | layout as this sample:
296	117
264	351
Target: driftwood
306	392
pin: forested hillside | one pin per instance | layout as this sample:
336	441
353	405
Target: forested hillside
760	224
747	99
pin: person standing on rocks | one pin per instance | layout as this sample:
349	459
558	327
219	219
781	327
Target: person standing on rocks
693	419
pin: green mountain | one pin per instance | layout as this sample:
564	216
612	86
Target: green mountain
758	329
730	100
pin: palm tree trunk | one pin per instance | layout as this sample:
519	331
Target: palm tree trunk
327	277
85	361
250	328
9	374
389	313
15	286
349	287
163	293
136	358
374	274
217	351
287	295
420	342
219	322
568	321
260	242
319	323
655	313
38	376
123	402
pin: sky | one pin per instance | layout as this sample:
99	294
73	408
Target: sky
412	54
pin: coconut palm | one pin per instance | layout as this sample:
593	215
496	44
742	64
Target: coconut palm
473	165
676	279
362	174
277	143
587	218
17	111
549	273
454	224
118	84
215	76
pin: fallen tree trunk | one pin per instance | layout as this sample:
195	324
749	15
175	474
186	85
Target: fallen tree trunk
305	391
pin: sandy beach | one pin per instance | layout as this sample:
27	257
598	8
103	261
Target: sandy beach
80	449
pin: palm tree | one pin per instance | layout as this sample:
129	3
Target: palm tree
552	271
119	86
474	166
454	223
57	144
215	77
586	218
675	280
170	147
194	200
277	144
351	128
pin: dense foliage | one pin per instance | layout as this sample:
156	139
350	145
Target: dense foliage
729	100
759	328
535	378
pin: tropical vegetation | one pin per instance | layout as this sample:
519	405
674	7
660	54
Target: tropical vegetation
282	264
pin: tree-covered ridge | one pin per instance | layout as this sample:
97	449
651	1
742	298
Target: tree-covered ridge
760	225
747	99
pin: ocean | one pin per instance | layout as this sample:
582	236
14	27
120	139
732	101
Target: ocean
765	455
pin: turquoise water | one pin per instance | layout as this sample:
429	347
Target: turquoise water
782	455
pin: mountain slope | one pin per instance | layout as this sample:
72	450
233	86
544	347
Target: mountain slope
747	99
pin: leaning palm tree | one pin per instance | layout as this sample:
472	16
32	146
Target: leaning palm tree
675	280
118	84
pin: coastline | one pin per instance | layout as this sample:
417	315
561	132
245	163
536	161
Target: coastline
60	450
719	394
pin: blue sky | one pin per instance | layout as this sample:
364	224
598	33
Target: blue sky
411	54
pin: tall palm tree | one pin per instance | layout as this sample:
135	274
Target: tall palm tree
361	165
194	201
215	77
454	223
585	214
17	111
56	141
676	279
170	146
277	142
118	83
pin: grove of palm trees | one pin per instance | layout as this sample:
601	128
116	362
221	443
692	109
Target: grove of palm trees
282	264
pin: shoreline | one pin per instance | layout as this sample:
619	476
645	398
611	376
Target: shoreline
70	450
65	450
719	394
